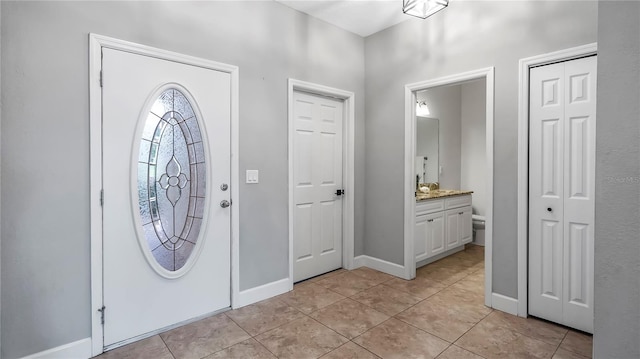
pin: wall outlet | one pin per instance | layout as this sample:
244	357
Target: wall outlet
252	176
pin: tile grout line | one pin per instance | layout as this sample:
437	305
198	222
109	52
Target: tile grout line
374	354
474	353
281	325
558	347
269	350
351	298
519	332
351	339
468	330
422	330
437	292
254	336
446	287
391	316
334	292
166	346
348	340
523	333
442	352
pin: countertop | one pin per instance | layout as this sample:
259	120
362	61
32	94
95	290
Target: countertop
439	193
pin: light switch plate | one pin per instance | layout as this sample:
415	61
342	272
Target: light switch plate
252	176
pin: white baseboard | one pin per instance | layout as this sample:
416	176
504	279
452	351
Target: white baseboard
379	264
265	291
504	303
359	261
80	349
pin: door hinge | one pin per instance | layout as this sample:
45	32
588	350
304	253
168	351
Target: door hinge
101	197
100	78
101	310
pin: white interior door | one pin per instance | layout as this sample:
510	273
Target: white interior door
561	192
166	153
317	176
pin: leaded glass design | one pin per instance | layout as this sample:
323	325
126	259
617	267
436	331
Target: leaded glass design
171	179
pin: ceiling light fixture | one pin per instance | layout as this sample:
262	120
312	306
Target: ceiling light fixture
423	8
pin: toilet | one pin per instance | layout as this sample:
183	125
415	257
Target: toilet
478	229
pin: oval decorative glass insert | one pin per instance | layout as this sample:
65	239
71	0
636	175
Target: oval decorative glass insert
171	180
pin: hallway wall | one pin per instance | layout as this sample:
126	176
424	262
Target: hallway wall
617	226
467	35
473	172
45	129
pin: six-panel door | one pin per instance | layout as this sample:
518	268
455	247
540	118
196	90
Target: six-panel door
561	192
317	177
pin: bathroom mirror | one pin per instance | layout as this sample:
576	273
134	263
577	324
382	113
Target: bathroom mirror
427	142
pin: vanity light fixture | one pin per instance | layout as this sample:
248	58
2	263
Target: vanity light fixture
422	109
423	8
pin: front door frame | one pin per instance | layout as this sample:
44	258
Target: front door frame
410	99
96	44
523	158
348	165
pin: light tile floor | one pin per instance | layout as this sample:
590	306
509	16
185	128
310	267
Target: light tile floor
364	313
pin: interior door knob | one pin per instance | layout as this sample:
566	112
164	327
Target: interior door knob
224	203
549	209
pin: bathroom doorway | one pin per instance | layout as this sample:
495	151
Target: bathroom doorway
439	104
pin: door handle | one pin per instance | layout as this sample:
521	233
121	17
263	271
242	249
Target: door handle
549	209
339	192
224	203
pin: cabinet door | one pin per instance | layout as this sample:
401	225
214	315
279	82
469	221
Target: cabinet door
420	238
453	228
465	225
435	234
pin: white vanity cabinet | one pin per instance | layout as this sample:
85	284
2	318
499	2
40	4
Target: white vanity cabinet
429	235
442	224
458	227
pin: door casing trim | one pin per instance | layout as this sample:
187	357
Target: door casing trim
409	164
523	157
96	43
348	165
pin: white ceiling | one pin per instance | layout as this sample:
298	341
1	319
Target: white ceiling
362	17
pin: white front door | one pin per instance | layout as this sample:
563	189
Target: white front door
166	155
561	192
317	178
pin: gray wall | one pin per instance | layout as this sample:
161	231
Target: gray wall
467	35
473	162
617	237
45	185
444	104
